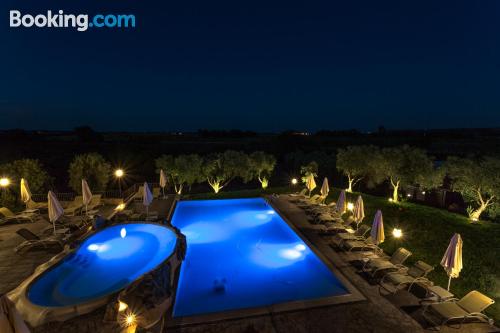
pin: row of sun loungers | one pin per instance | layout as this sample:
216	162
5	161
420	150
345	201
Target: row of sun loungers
390	271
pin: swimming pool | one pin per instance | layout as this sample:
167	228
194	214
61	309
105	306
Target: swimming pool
241	254
104	263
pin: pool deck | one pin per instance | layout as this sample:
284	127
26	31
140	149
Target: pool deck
399	313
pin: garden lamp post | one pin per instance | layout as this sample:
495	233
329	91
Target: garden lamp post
119	173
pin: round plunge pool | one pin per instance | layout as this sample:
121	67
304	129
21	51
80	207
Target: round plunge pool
104	263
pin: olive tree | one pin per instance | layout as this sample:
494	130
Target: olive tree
477	180
221	168
310	168
93	168
30	169
182	170
405	166
355	162
262	166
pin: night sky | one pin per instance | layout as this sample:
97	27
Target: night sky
250	65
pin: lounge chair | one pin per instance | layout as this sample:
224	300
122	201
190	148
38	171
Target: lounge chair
33	242
405	278
74	207
359	234
95	202
37	205
20	217
468	308
361	245
394	263
156	192
309	201
138	195
300	194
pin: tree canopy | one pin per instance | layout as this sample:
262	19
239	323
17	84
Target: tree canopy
221	168
356	163
405	165
91	167
478	180
262	166
181	170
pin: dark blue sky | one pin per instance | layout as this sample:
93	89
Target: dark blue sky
248	65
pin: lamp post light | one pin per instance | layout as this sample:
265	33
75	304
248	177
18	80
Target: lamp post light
397	233
119	173
294	181
4	183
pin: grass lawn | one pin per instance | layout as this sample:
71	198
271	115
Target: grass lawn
427	232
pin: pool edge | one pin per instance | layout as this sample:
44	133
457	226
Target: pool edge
353	295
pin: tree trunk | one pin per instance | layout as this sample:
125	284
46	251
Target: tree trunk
351	180
395	189
476	214
264	182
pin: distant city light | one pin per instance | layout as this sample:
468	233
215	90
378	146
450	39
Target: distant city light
397	233
4	182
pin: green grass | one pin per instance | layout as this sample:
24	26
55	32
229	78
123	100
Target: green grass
426	233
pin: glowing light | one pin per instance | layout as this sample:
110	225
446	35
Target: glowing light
119	173
423	192
350	206
408	195
123	232
294	181
122	306
93	247
391	200
4	182
130	319
290	254
300	247
120	207
397	233
474	219
271	212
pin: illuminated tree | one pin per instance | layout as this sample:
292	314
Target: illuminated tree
405	166
93	168
308	169
477	180
355	162
221	168
181	170
262	166
29	169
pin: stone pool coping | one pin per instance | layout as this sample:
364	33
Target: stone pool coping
354	295
37	315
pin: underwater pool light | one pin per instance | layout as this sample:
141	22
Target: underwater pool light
123	232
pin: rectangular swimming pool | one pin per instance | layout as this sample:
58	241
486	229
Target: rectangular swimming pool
241	254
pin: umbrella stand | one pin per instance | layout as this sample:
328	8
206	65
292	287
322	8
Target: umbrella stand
449	282
147	212
163	191
54	224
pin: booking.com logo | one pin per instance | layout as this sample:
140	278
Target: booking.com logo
80	22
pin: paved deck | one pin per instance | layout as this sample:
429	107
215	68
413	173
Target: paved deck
398	313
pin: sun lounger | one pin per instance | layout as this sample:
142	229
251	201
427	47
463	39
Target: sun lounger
359	234
394	263
300	194
74	207
468	308
306	202
95	202
33	242
37	205
9	216
361	245
405	278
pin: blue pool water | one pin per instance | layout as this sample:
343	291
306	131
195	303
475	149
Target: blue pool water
242	254
103	264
